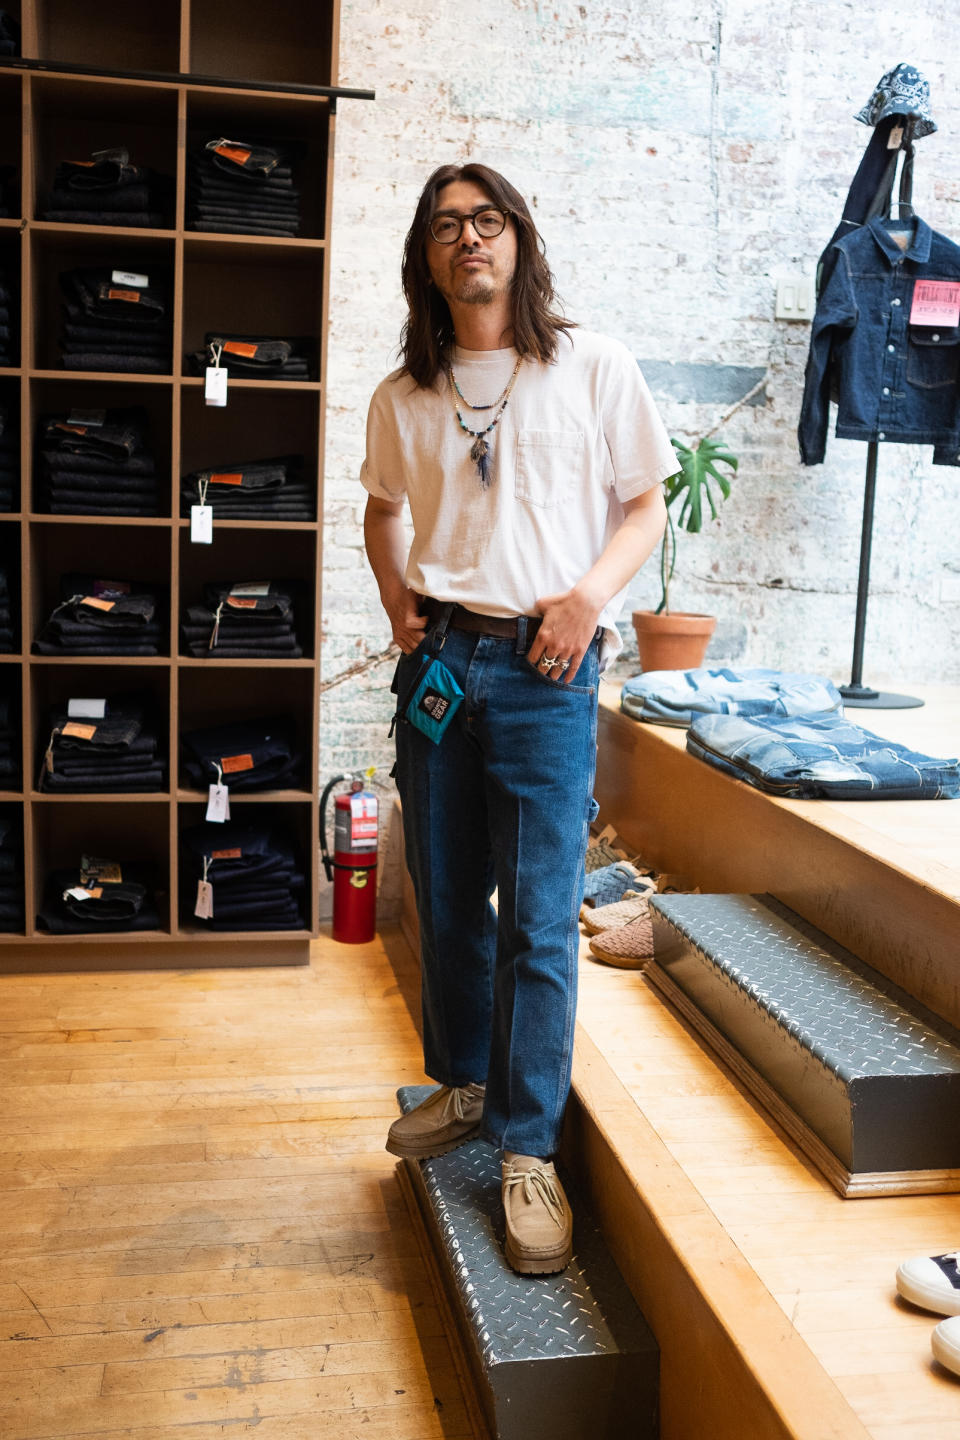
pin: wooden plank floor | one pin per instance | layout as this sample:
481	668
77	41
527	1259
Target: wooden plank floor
201	1232
828	1263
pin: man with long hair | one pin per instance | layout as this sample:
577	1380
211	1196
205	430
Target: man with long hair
532	460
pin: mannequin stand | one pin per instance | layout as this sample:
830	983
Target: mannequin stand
856	695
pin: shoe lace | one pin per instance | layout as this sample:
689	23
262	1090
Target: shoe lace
538	1184
455	1099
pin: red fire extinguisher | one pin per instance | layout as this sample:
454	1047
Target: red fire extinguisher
353	868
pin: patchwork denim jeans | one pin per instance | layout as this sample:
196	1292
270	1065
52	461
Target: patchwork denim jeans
677	697
503	801
819	757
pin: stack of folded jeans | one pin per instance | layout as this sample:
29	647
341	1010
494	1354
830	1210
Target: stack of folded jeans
117	753
108	190
251	619
819	757
252	490
9	745
99	895
256	357
97	462
8	350
103	617
256	879
677	697
9	458
9	636
242	187
116	320
255	754
11	876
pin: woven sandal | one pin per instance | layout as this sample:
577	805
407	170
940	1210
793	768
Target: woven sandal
608	917
600	853
629	947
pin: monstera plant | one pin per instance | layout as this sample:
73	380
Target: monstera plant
677	640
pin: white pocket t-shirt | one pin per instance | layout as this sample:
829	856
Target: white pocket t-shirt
577	438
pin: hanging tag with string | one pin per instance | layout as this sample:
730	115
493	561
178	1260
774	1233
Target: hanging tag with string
204	906
218	803
201	519
215	380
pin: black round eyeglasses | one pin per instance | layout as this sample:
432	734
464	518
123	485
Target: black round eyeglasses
488	222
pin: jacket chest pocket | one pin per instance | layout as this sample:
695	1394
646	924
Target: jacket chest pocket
933	356
549	463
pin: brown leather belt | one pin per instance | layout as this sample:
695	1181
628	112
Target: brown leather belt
462	619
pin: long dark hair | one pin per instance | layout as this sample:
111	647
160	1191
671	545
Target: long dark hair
428	329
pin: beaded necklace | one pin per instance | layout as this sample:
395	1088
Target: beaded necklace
480	449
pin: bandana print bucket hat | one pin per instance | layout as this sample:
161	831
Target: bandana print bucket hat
902	91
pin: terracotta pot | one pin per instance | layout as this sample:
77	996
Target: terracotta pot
677	641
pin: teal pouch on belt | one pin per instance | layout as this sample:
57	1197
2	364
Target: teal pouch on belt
435	700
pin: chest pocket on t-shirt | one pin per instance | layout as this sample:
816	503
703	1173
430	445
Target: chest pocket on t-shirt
549	463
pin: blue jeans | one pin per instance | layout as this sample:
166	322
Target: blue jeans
504	800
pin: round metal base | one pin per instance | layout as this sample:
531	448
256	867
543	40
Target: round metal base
861	697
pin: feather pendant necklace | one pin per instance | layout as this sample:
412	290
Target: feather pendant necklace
480	449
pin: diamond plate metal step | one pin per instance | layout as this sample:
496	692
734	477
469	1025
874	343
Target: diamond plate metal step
861	1075
602	1379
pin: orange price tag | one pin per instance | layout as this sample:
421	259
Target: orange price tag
132	295
98	604
231	764
226	855
240	347
233	152
79	732
240	604
226	478
73	429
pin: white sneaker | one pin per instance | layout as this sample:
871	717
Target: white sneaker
946	1344
933	1283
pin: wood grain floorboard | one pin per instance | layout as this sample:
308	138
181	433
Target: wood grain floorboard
201	1230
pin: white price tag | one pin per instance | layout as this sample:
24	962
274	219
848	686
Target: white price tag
218	804
204	906
895	137
201	524
78	893
130	277
215	385
86	709
252	587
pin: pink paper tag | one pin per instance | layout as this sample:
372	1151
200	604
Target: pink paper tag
936	302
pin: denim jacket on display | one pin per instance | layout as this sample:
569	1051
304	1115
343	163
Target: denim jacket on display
894	380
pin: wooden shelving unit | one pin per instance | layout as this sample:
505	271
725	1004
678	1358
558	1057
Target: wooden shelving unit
218	281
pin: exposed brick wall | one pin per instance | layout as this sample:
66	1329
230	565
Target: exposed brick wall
677	159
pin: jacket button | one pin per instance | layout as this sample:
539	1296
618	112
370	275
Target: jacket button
894	302
934	337
891	348
881	435
886	389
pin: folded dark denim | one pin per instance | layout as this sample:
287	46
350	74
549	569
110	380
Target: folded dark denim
120	198
142	465
245	475
259	356
245	228
98	294
221	208
819	757
130	219
92	483
247	158
131	906
123	364
244	755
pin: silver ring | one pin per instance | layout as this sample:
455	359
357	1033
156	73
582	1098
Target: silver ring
549	661
564	666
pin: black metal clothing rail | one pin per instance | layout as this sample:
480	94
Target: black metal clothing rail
333	93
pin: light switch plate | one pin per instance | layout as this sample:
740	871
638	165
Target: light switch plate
795	298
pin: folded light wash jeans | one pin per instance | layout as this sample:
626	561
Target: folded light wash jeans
504	800
819	757
677	697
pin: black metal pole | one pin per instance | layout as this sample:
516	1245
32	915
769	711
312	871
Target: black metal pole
863	583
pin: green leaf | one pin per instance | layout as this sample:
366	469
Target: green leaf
699	482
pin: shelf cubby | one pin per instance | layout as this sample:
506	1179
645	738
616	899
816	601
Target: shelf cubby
215	281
